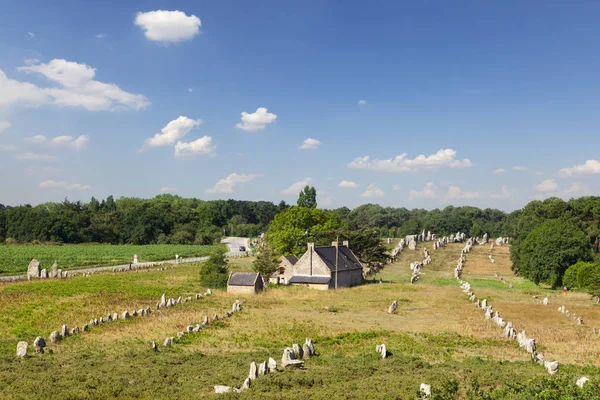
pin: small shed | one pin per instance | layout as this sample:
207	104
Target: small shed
245	282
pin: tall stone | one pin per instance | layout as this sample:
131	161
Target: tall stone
33	270
253	371
54	270
44	273
55	337
22	349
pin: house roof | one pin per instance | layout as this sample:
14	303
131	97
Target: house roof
292	259
310	279
346	259
242	278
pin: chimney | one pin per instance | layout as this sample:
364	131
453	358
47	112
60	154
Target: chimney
311	248
345	243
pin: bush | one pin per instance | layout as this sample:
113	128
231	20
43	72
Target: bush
570	277
215	271
580	275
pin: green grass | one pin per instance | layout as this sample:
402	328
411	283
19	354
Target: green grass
16	258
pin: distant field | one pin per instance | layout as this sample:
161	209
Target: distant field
15	258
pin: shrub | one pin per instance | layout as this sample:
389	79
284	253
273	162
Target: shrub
580	275
214	271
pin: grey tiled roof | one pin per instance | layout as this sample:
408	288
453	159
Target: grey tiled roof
292	259
242	278
346	259
309	279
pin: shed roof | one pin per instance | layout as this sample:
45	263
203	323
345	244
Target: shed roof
310	279
242	278
346	259
292	259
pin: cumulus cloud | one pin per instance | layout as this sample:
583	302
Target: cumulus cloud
297	187
396	187
202	146
74	86
519	168
549	185
35	156
172	132
373	191
4	125
455	192
257	120
347	184
63	185
8	147
168	26
309	144
499	171
227	185
444	158
428	192
589	167
100	36
78	143
362	102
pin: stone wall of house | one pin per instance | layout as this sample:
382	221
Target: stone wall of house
319	267
241	289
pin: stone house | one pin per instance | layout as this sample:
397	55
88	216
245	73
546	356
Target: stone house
317	267
245	283
284	271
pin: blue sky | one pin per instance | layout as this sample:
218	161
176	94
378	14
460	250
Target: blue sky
463	102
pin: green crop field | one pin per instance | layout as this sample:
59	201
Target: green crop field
15	258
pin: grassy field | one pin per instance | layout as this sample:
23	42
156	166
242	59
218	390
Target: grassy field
16	258
437	337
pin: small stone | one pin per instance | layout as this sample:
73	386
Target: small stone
246	384
289	359
154	347
425	390
190	328
75	330
55	337
253	371
125	315
115	316
134	313
39	343
215	317
219	389
580	382
22	349
64	330
263	368
272	364
85	328
168	342
298	352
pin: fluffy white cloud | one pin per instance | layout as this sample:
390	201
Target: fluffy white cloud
428	192
504	193
549	185
166	189
297	187
202	146
227	185
63	185
362	102
172	132
100	36
347	184
78	143
257	120
589	167
444	158
455	192
499	171
4	125
168	26
74	87
396	187
373	191
309	144
519	168
8	147
35	156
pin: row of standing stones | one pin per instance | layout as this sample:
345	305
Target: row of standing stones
40	344
529	344
292	357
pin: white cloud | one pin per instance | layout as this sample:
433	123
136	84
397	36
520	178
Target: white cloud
549	185
4	125
499	171
589	167
31	34
396	187
257	120
100	36
519	168
576	188
428	192
297	187
172	132
8	147
35	156
504	193
309	144
373	191
63	185
202	146
444	158
190	90
455	192
69	142
348	184
227	185
362	102
166	189
168	26
74	87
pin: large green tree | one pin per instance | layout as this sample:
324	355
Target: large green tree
308	197
265	262
214	272
550	248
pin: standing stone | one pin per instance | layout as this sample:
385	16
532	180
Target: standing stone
246	384
75	330
219	389
154	347
205	321
412	245
381	349
126	315
44	273
163	301
253	371
392	308
115	316
545	301
580	382
308	342
272	364
54	270
263	368
85	328
64	330
168	342
39	343
425	390
306	351
551	367
55	337
33	270
22	349
289	359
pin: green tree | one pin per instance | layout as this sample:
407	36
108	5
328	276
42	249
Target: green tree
308	197
367	246
265	263
550	249
214	272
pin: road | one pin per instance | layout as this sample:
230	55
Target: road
234	244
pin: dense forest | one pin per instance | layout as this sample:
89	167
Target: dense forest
172	219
